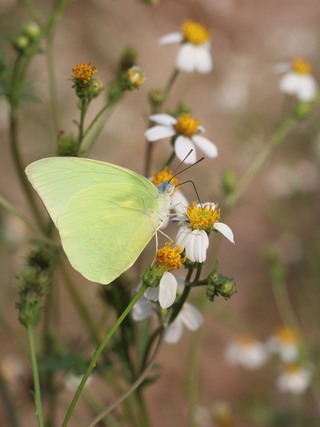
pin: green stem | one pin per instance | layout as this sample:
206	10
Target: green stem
36	379
259	161
169	85
83	110
99	351
136	384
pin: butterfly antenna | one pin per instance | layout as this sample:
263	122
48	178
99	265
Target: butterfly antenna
194	187
188	167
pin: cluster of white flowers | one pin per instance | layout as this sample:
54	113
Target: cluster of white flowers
250	353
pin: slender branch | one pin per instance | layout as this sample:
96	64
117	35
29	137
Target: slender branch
133	387
98	351
36	379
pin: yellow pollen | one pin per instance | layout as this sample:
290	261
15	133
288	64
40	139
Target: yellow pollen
169	257
83	72
186	125
286	335
164	175
195	33
202	217
302	67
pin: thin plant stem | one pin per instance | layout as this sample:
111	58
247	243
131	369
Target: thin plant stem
170	82
99	350
36	380
133	387
260	161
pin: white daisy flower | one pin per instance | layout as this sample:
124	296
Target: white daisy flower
190	317
285	344
194	53
186	130
247	352
297	80
193	233
294	379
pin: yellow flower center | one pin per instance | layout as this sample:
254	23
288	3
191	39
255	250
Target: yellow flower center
169	257
83	72
286	335
302	67
195	33
202	217
292	368
164	175
135	76
186	125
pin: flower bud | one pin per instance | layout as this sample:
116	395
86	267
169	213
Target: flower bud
228	182
152	276
32	31
21	44
156	98
67	145
219	285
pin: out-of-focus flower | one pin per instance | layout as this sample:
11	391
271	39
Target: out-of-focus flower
298	80
294	378
185	131
199	220
134	78
284	343
194	53
247	352
190	317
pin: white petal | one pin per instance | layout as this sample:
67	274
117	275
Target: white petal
175	37
225	230
142	310
308	89
158	132
182	236
289	83
163	119
205	145
167	290
182	147
173	332
186	58
203	60
191	317
197	245
152	294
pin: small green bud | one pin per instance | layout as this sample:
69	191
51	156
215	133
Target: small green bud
228	182
29	312
277	269
182	108
152	276
21	43
219	285
32	31
303	110
156	98
67	145
96	87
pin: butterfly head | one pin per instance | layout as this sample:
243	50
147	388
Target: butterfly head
166	187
